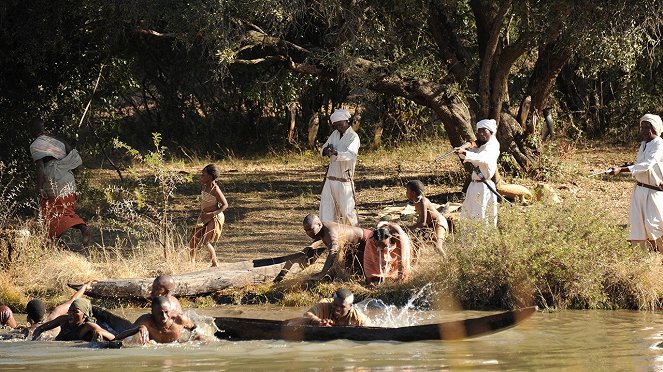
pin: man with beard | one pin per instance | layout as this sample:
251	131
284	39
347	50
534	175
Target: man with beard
480	202
646	212
337	202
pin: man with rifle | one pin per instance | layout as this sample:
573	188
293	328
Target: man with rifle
646	212
481	197
337	203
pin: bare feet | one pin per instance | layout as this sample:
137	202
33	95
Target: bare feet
215	263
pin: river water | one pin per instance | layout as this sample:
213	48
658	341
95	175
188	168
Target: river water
565	340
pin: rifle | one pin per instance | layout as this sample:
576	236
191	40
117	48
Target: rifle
600	173
491	188
607	171
463	146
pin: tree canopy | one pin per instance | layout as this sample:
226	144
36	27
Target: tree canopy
215	76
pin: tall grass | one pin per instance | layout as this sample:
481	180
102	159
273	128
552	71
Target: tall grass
567	256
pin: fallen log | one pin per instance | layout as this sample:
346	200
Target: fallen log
227	275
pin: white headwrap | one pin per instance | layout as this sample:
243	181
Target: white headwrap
489	124
339	115
655	121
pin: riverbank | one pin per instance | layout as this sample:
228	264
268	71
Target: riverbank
566	254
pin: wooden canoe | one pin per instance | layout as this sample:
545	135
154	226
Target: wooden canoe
227	275
262	329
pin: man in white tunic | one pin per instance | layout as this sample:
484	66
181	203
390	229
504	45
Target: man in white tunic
646	213
337	201
480	202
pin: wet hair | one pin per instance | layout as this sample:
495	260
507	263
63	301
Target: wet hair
164	281
213	170
381	233
35	310
36	125
416	186
310	219
344	295
159	301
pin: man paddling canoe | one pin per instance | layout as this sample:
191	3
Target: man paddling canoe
335	311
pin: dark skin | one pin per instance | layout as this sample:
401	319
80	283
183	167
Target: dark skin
90	331
341	127
647	134
332	235
163	285
483	136
340	310
61	309
164	324
427	216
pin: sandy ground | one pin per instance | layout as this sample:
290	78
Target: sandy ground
268	198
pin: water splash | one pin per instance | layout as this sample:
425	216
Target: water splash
384	315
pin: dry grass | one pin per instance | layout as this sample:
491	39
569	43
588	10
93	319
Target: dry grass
268	198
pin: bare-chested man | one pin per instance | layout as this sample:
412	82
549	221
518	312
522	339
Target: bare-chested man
427	216
37	311
163	325
335	311
334	235
78	324
163	285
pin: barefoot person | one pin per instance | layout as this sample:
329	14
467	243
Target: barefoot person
337	202
387	255
336	237
646	212
335	311
210	221
164	324
55	159
78	324
163	285
428	218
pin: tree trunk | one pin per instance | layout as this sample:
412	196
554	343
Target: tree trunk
292	115
313	124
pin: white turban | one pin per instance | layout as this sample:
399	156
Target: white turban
489	124
655	122
339	115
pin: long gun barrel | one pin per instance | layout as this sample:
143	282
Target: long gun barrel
463	146
606	171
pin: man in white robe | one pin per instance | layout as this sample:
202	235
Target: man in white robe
480	203
646	212
337	202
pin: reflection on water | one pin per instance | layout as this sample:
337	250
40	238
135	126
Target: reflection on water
576	340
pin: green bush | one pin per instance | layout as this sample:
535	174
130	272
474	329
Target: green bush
562	256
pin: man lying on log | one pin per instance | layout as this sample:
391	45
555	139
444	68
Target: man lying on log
163	285
334	236
163	325
335	311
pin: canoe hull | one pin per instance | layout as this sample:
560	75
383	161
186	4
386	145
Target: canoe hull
260	329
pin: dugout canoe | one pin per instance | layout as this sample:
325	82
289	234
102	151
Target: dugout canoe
226	275
263	329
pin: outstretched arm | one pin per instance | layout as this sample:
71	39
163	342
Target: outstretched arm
49	325
63	308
